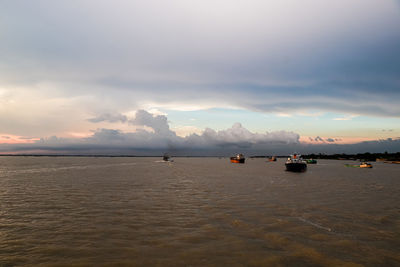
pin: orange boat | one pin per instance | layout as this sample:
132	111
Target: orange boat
272	159
238	159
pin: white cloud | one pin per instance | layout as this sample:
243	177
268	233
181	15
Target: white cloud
184	131
162	138
159	123
346	118
240	136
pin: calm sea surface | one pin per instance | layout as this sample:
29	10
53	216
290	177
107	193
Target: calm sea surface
68	211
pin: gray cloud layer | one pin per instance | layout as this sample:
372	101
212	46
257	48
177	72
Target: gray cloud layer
259	55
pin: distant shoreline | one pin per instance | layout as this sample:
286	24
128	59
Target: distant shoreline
360	156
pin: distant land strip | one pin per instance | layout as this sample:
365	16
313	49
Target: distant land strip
360	156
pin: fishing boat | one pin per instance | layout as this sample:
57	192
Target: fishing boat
239	158
295	163
311	161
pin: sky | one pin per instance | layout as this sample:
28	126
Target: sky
199	77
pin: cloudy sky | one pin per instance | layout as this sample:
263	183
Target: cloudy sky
198	75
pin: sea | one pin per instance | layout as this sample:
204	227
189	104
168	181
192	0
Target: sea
142	211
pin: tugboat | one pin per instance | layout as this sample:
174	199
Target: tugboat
296	164
239	158
273	158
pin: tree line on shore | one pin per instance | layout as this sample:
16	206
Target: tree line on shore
360	156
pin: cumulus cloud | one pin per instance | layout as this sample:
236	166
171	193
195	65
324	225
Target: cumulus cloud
158	123
162	138
241	137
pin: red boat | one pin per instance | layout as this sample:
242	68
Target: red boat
238	159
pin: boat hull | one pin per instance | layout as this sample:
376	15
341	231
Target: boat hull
365	166
296	167
235	160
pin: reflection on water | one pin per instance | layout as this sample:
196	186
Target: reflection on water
196	212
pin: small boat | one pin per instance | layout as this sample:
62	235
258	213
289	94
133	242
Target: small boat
361	165
311	161
365	165
295	163
166	157
273	158
239	158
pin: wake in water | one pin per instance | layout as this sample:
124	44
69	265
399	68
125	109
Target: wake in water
315	224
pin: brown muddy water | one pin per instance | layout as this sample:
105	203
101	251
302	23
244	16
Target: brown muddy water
68	211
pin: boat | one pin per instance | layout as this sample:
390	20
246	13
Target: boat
166	157
273	158
239	158
361	165
295	163
365	165
311	161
